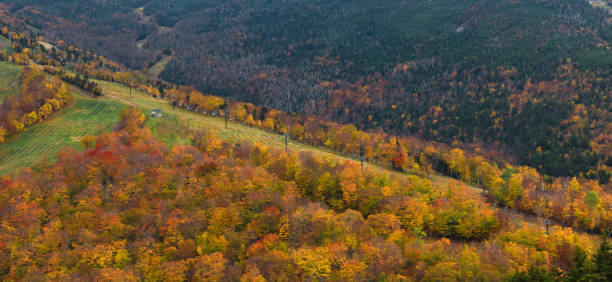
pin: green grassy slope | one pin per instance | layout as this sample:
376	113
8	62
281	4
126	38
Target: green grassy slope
8	80
86	115
190	121
44	140
156	69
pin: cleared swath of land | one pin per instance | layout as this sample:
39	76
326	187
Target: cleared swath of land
190	122
157	68
9	75
83	116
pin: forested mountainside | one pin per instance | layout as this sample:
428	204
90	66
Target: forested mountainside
130	209
576	202
526	77
454	70
125	207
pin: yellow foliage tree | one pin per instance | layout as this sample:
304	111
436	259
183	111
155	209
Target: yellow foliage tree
249	120
314	263
44	111
3	134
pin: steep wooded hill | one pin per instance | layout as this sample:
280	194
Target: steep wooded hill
526	77
131	209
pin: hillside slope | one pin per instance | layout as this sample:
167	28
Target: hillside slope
91	116
9	83
128	208
452	71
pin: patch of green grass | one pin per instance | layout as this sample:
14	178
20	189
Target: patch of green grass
186	122
9	74
44	140
84	116
168	130
183	123
158	67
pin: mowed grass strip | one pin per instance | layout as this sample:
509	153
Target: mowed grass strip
9	75
192	121
159	66
44	140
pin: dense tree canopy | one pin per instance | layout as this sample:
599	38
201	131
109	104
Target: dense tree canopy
129	208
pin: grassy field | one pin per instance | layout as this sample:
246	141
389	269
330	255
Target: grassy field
8	80
44	140
83	116
158	67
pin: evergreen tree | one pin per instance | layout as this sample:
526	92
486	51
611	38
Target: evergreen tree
583	268
532	275
603	262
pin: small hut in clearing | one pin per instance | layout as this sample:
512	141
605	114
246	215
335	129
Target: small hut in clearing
156	113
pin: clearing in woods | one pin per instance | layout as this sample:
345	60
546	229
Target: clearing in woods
157	68
82	116
9	84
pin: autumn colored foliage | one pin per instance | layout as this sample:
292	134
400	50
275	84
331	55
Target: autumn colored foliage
40	96
573	202
128	208
582	204
82	82
529	78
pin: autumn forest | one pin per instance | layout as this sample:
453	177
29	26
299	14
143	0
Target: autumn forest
305	140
